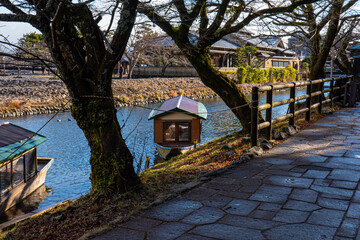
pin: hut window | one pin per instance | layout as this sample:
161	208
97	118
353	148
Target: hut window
177	131
184	133
169	131
18	169
30	164
5	176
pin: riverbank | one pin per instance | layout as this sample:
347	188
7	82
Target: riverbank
160	183
40	94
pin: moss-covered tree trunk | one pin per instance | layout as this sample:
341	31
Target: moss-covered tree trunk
85	60
223	86
111	161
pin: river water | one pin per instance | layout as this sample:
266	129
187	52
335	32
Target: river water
68	178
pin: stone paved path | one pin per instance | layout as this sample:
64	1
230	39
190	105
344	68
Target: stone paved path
305	188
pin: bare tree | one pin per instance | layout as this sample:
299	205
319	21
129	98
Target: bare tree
344	39
212	21
136	46
162	51
85	59
317	25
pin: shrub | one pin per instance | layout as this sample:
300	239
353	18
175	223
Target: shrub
292	73
249	74
271	74
256	75
241	74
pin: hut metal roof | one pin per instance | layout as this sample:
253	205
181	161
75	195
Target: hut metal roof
179	104
15	140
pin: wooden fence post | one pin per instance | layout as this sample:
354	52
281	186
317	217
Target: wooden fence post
147	162
353	87
269	113
331	92
320	97
254	116
345	93
340	90
308	101
292	104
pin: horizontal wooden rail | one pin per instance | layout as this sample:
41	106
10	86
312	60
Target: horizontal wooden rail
315	98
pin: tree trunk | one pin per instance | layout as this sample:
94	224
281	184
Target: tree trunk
163	70
111	161
223	86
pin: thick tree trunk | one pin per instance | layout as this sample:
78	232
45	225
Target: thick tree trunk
111	161
223	86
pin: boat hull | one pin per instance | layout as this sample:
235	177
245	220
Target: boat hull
169	152
24	189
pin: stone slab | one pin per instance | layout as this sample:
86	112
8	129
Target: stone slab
121	234
141	223
327	217
273	194
349	227
227	232
240	207
217	201
300	232
344	184
343	174
333	203
306	195
204	215
316	174
300	205
289	181
354	210
248	222
173	210
169	230
291	216
332	190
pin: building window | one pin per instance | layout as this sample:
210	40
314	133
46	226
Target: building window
177	132
280	63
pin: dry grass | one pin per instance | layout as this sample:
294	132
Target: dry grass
11	105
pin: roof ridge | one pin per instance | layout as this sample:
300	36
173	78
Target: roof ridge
179	101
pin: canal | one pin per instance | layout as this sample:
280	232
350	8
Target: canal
68	178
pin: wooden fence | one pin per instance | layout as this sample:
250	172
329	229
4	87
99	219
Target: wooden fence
313	100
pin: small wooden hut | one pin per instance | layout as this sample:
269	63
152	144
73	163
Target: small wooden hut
177	125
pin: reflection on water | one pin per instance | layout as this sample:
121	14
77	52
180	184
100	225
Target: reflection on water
31	203
69	175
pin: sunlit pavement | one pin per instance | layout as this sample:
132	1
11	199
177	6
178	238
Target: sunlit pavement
305	188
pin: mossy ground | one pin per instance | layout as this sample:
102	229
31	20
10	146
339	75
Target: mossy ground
73	219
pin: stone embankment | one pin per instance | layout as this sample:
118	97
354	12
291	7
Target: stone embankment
38	94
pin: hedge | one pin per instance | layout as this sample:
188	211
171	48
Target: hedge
257	75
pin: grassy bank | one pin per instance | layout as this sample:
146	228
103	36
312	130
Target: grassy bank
73	219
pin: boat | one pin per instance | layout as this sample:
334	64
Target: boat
177	125
21	170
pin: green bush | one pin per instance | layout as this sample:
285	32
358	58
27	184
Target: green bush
305	66
292	73
249	74
241	74
257	75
